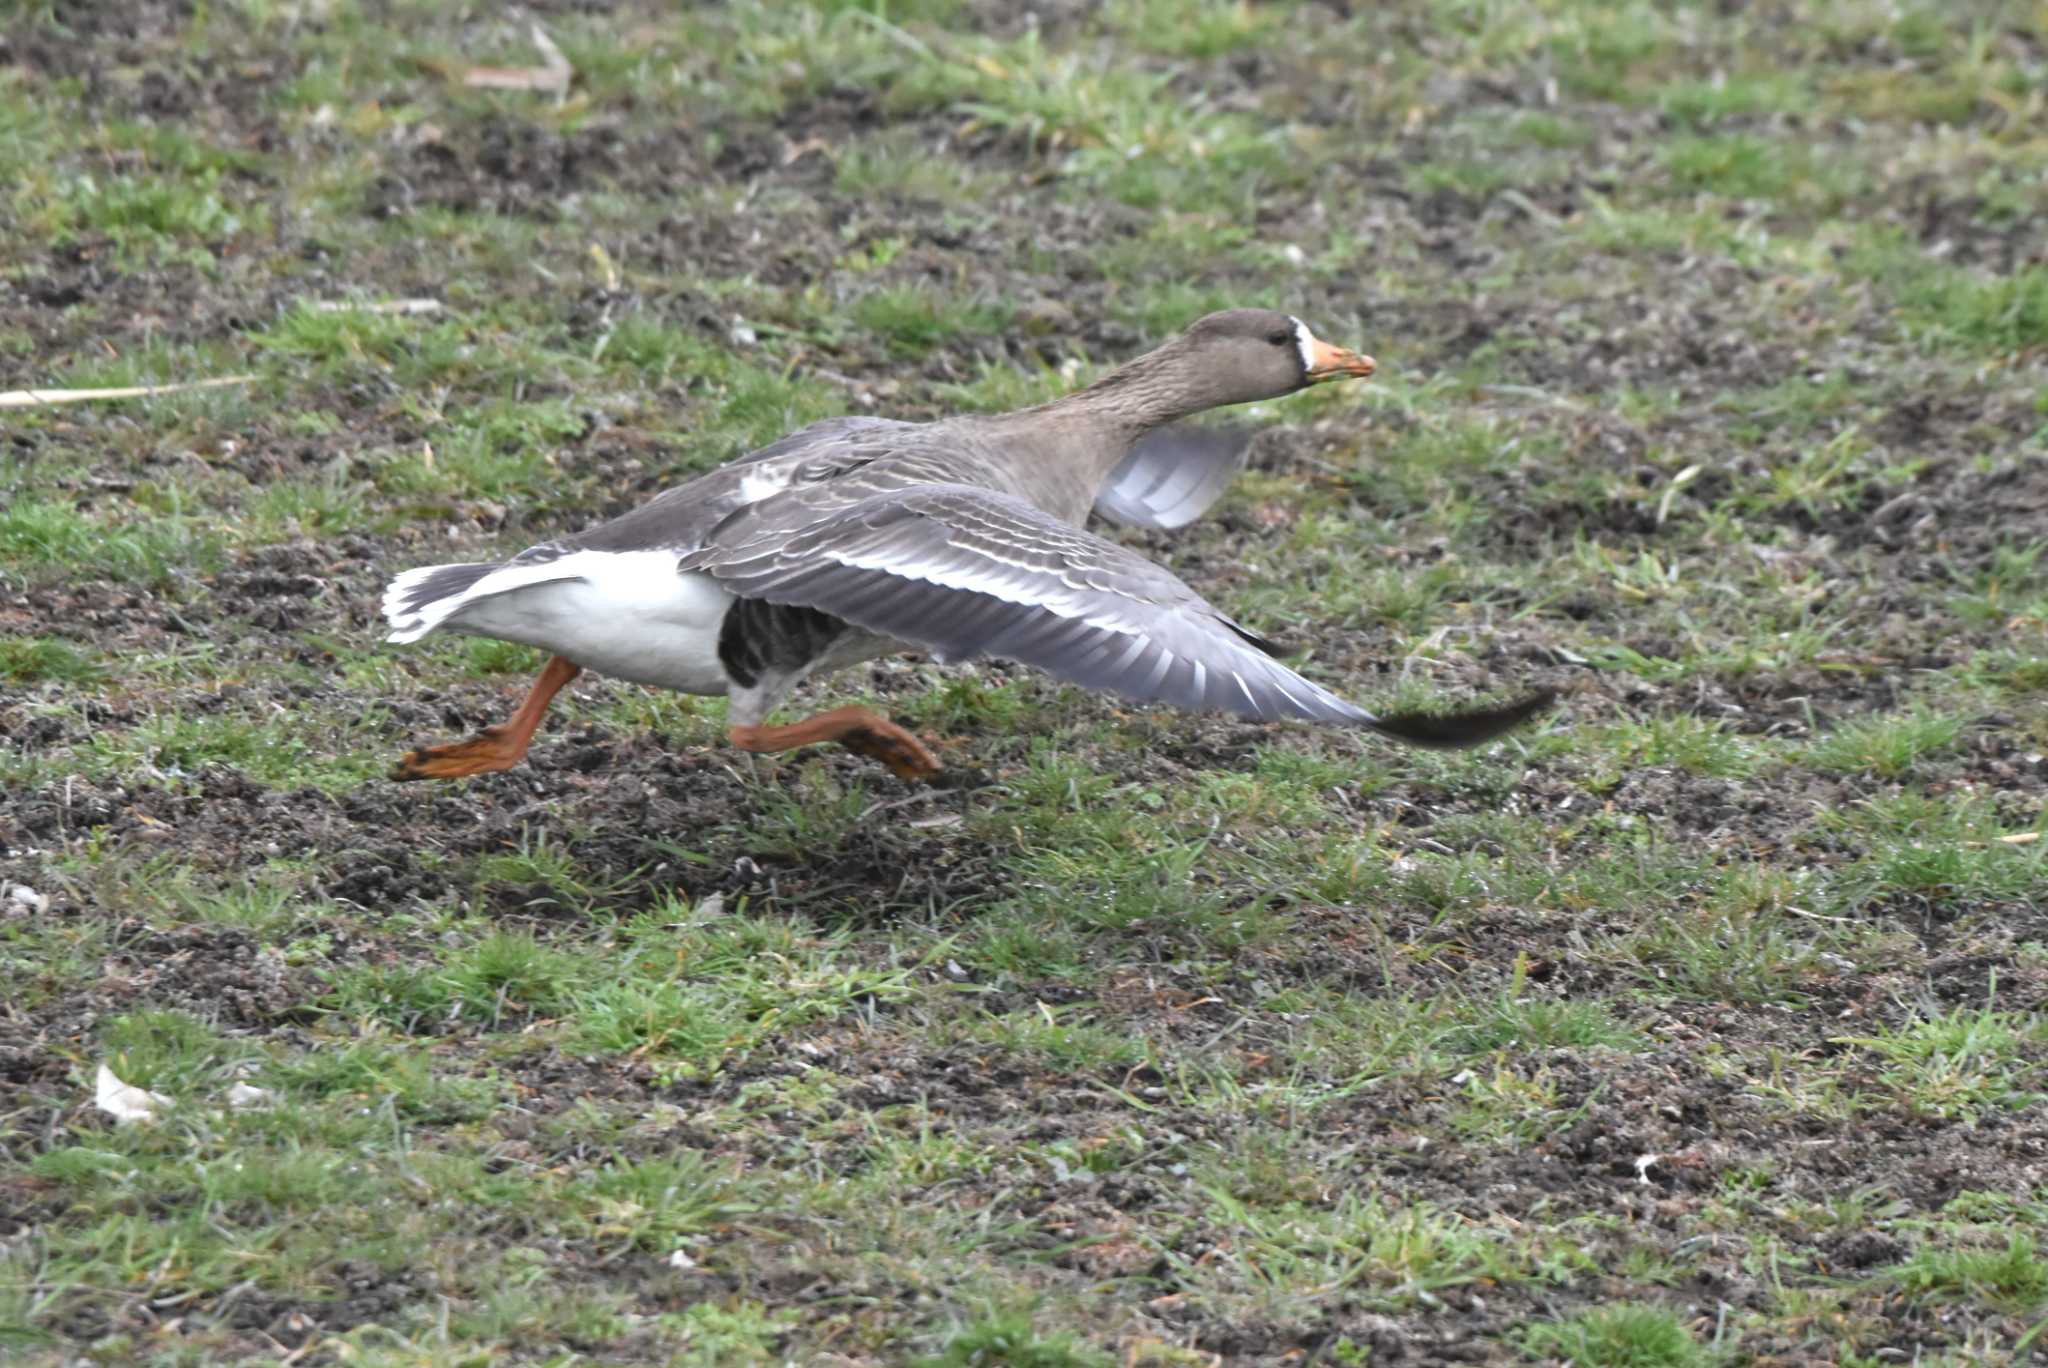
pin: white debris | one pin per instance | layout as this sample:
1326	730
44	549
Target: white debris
681	1260
245	1095
1644	1163
379	306
26	899
123	1101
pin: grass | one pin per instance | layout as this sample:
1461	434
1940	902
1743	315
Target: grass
1713	389
1618	1337
2015	1276
1887	747
1951	1063
28	660
43	538
914	322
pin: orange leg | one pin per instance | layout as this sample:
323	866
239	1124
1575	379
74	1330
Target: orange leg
857	729
494	748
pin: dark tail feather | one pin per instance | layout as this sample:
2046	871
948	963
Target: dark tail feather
437	583
410	599
1457	730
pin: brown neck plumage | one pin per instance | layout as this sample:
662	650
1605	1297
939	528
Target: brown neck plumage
1074	441
1138	396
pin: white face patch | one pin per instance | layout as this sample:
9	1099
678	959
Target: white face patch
1305	341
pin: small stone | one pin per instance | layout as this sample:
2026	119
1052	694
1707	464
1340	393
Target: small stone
245	1095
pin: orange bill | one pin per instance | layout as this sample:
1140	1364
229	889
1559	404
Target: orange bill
1336	363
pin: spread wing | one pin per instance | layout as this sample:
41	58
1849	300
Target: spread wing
963	572
1172	476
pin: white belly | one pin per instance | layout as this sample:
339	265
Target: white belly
628	615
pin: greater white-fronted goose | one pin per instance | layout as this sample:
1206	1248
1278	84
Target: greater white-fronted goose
857	537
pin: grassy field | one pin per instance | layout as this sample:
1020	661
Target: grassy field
1705	1023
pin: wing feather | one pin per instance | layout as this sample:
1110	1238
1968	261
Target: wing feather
1172	476
963	571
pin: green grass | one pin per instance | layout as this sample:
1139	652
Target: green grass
1714	374
1010	1339
1993	312
2015	1276
44	538
1704	104
913	322
1885	747
1956	1063
1617	1337
28	660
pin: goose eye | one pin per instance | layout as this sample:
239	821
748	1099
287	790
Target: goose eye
1280	337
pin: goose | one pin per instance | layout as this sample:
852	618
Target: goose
858	537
